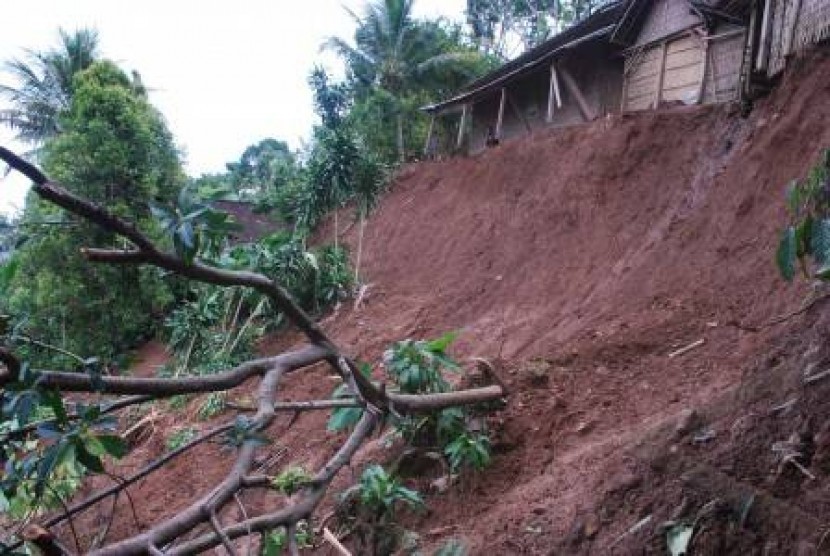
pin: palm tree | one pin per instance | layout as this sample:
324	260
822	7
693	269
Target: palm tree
395	53
44	85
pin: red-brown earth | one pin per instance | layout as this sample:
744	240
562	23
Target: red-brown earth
578	259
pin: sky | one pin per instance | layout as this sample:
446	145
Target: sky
224	75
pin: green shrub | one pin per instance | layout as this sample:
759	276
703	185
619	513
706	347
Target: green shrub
807	237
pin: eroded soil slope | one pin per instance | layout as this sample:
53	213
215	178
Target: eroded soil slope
579	259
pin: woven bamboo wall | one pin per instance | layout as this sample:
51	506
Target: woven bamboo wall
795	25
666	17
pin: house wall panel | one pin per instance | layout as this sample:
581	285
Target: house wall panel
665	18
723	67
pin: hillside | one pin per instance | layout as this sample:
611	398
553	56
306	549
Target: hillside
578	260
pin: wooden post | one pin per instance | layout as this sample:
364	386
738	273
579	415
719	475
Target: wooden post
553	92
573	89
461	126
500	117
519	114
704	66
791	34
661	74
766	33
428	143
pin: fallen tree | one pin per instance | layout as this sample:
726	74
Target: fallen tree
375	401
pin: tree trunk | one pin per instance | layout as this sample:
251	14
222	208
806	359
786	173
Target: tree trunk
399	131
335	229
359	249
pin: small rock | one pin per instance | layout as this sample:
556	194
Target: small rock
591	527
584	427
688	421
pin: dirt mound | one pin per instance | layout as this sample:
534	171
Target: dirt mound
582	260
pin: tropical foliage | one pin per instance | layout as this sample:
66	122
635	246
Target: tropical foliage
45	85
505	28
115	149
805	242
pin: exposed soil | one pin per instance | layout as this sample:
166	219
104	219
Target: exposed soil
579	260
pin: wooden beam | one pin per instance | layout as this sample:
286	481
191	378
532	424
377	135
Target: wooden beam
661	74
762	61
554	96
461	127
428	143
500	117
573	89
704	71
519	114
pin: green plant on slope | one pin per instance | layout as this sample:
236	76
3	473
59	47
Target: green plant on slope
372	504
180	437
417	367
275	542
807	237
291	480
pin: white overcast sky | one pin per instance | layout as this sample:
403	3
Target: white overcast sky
225	75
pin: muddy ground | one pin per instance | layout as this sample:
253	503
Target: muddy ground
578	260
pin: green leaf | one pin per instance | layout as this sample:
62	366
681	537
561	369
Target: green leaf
110	444
54	401
344	418
440	345
820	241
786	254
87	459
803	237
794	197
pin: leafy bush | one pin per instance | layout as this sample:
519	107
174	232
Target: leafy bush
371	507
276	541
213	405
291	480
180	437
808	234
41	472
417	367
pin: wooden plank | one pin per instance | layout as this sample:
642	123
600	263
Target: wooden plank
660	76
428	143
679	77
762	61
500	117
518	112
554	95
461	127
573	89
684	59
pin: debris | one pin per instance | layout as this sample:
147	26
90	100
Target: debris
329	537
688	421
704	436
634	528
784	407
678	538
684	349
811	379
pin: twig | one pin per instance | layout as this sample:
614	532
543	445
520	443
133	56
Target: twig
791	458
129	496
335	542
248	544
71	521
217	527
684	349
812	379
81	506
